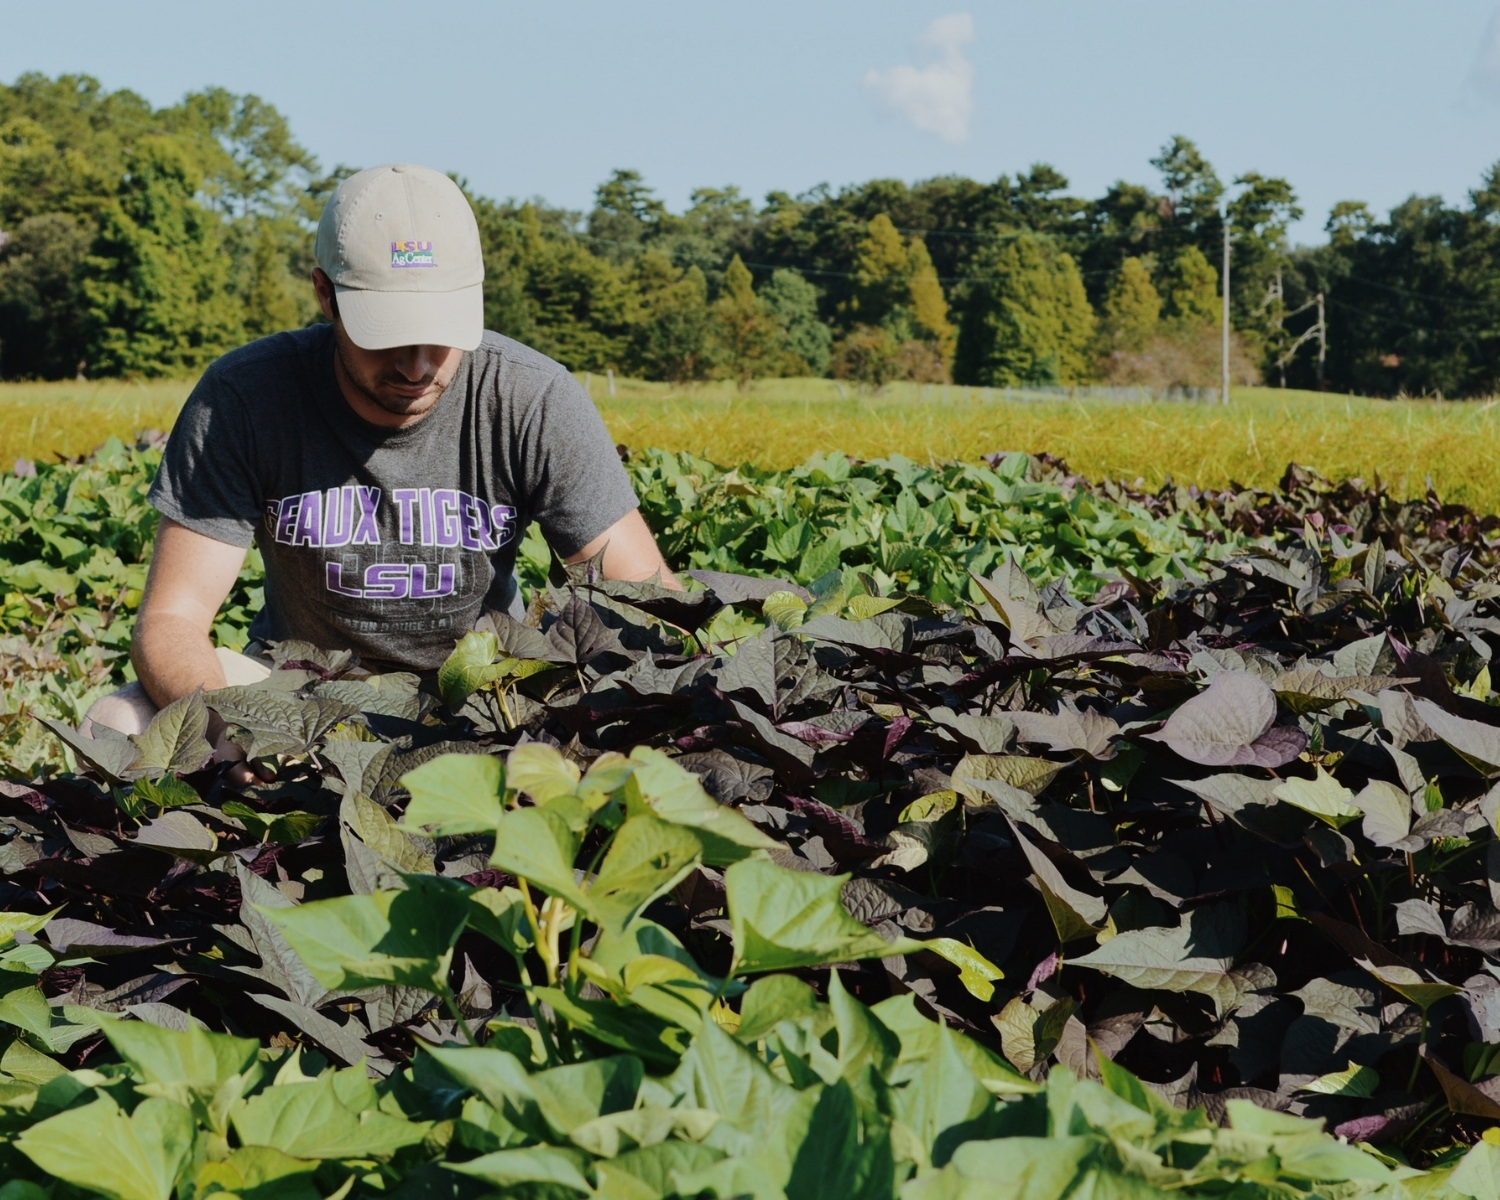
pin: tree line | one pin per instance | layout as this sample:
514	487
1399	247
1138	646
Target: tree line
146	241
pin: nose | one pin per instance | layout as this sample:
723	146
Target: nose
416	363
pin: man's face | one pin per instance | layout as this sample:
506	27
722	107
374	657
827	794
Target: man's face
387	387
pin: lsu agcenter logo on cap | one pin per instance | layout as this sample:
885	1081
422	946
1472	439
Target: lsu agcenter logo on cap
412	254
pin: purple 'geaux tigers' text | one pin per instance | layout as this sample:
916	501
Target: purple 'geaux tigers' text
348	516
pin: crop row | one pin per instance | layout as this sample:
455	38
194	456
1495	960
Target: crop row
74	538
1221	821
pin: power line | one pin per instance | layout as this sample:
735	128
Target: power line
1393	321
1399	291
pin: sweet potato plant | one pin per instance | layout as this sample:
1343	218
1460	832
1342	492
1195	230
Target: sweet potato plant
806	886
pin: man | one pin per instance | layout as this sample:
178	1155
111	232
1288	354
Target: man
387	463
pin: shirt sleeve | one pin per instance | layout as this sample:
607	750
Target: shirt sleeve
576	486
207	482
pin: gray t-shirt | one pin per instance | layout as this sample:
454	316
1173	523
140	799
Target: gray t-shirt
389	542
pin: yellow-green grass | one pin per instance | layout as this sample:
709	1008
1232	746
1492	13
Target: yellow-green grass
778	423
42	421
1249	441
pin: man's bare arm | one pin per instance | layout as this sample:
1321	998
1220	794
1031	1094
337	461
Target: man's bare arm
189	580
172	649
630	552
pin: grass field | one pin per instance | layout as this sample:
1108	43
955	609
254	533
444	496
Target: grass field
780	422
46	420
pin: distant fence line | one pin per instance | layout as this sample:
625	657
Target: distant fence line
1042	394
955	393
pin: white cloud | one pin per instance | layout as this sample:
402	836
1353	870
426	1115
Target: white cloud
1484	76
939	97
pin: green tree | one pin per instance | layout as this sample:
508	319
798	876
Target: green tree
1123	223
867	355
896	287
42	331
881	273
1410	298
746	334
1026	319
1193	289
159	290
1260	215
252	164
577	302
506	307
792	303
64	144
1190	210
1193	188
256	175
719	214
626	213
185	259
274	299
929	307
717	225
674	336
1348	221
820	231
1133	307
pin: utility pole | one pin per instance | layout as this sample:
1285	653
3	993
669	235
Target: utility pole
1224	347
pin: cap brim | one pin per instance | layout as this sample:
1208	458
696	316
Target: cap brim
384	320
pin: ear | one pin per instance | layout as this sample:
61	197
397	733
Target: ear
327	298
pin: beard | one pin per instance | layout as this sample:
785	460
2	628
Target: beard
378	386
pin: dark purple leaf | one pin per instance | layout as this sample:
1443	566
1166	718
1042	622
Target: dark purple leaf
740	589
898	730
1362	1129
844	838
1231	724
69	936
1042	972
28	796
579	635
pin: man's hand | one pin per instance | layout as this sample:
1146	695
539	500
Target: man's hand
630	553
172	651
242	774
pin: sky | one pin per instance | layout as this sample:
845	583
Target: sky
1370	100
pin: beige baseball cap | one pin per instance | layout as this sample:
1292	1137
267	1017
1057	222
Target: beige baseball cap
402	247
